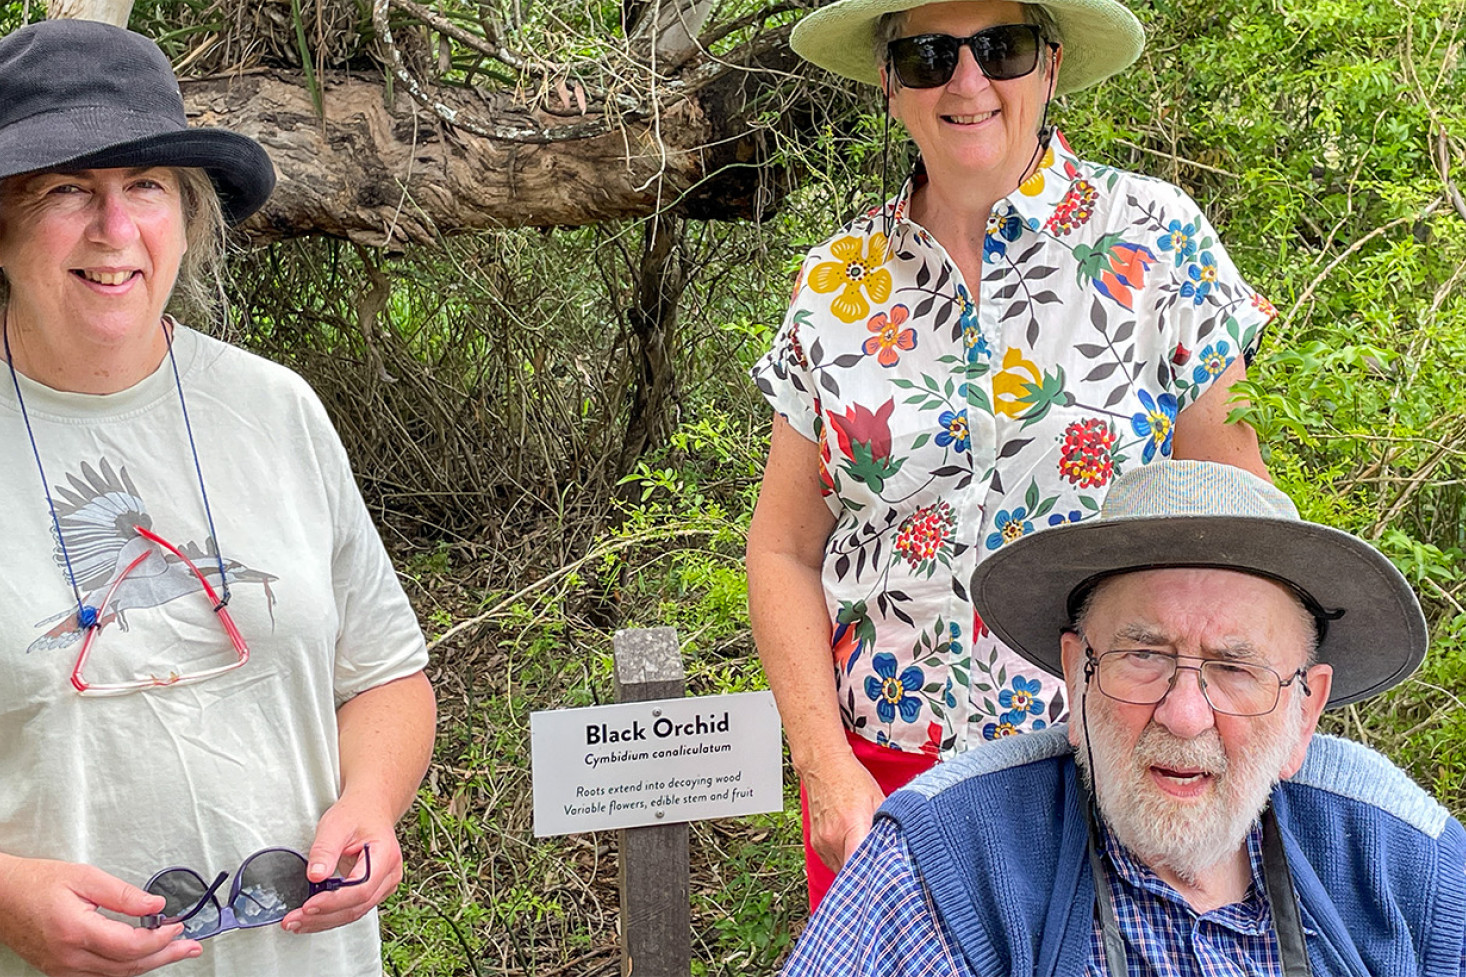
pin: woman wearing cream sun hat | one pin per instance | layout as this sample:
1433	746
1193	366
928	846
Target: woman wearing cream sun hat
972	361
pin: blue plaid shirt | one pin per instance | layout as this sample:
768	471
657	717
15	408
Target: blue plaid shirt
1165	937
879	919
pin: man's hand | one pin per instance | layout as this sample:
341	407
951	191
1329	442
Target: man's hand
843	798
340	836
48	915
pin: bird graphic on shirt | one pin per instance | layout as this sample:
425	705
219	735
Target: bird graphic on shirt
98	511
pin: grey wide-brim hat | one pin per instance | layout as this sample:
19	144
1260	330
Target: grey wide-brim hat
1204	514
79	95
1100	38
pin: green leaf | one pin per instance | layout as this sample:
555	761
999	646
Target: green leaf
307	62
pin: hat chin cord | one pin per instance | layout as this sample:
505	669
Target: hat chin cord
887	218
1044	133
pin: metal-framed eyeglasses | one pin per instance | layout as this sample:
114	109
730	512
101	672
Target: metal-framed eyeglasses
1144	677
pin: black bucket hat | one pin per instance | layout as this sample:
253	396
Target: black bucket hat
80	95
1205	514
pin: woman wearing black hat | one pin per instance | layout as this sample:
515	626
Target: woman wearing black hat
211	689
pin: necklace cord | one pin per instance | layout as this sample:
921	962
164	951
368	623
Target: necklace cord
198	469
888	220
86	617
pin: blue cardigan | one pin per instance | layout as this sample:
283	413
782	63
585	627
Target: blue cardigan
1379	866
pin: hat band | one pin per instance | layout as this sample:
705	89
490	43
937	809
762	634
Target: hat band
1321	615
49	140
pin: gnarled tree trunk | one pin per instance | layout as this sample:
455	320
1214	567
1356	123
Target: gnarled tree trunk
391	173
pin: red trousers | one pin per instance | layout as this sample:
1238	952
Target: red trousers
892	769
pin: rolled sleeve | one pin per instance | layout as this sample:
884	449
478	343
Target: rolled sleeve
379	639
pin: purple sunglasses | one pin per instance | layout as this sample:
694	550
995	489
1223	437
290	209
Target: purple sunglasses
269	884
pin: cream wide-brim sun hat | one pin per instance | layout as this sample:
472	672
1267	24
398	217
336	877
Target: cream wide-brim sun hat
1200	514
1100	38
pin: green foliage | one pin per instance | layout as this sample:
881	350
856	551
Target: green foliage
18	13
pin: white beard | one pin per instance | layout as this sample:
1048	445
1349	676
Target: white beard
1190	838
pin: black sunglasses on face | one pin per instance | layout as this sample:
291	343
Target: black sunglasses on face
1002	53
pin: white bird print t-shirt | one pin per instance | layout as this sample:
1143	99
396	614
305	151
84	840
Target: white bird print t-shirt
198	775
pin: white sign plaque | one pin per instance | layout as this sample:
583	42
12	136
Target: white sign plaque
641	763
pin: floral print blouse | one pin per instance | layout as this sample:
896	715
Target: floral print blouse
949	427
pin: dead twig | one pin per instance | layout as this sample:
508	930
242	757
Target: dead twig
603	550
462	120
1352	249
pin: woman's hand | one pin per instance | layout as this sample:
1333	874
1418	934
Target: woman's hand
343	831
48	915
386	737
843	798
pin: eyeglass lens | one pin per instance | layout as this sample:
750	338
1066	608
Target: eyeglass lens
183	891
270	885
928	60
1145	678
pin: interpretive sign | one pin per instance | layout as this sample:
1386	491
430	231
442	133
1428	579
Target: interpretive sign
657	762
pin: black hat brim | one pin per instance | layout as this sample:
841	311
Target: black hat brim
238	166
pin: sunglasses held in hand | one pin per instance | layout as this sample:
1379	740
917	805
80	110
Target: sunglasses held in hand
1002	53
269	884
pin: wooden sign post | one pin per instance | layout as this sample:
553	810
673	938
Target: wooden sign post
656	915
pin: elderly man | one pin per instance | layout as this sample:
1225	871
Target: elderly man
1201	628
